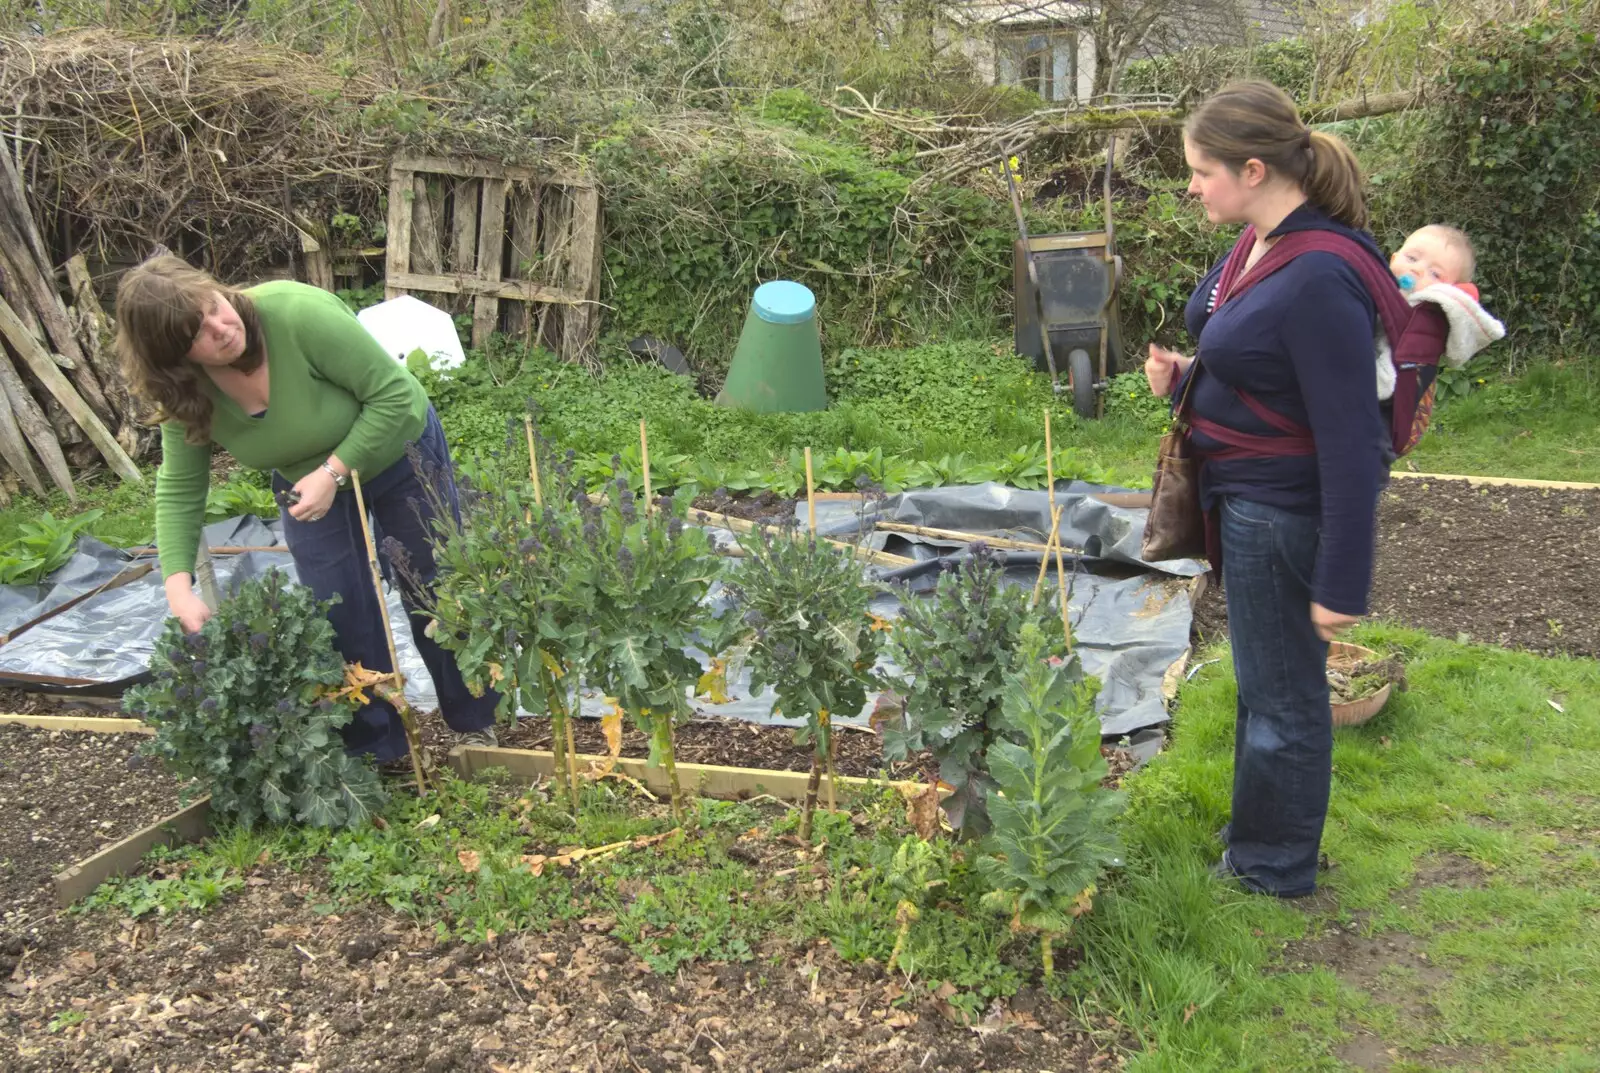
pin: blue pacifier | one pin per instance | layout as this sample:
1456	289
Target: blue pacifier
1407	282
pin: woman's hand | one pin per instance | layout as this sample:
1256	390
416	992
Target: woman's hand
186	607
316	490
1163	369
1330	624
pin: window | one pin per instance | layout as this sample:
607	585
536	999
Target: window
1045	61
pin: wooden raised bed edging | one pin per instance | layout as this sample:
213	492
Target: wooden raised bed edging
704	780
1509	482
92	724
186	825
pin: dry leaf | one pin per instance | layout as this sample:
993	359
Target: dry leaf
888	707
1083	902
879	623
713	685
945	991
491	1042
497	674
611	727
922	809
900	1019
1189	1012
357	680
470	861
427	822
81	961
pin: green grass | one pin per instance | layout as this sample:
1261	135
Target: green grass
968	401
1473	768
1473	763
1543	425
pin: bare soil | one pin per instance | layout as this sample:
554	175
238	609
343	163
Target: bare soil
65	795
734	743
1513	567
264	983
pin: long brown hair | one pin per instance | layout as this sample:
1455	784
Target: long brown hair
1257	120
160	305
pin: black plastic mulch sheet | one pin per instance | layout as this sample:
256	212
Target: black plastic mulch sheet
1131	619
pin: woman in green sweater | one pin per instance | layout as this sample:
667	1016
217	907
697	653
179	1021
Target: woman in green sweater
285	379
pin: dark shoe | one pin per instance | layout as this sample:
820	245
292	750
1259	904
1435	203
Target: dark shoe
1224	872
480	739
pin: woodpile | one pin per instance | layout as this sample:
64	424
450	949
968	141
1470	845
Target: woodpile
60	393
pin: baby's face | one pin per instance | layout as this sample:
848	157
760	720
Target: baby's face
1427	258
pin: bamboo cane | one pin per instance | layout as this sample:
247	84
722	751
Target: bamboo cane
1061	578
1044	560
644	455
566	710
739	525
811	494
533	461
407	717
1049	461
963	537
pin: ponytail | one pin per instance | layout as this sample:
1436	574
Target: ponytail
1334	182
1257	121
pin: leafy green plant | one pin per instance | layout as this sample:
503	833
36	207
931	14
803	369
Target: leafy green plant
634	581
810	636
955	650
250	708
496	598
911	875
1052	832
42	546
234	498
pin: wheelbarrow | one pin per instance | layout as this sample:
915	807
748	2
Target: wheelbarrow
1066	302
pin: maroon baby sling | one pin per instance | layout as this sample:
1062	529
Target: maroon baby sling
1417	337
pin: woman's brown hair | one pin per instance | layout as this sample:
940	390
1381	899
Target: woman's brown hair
1257	120
160	305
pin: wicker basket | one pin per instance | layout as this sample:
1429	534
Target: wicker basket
1341	657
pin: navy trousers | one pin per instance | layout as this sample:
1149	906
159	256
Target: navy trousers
1283	743
330	556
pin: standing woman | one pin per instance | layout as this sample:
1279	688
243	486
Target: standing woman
286	379
1297	523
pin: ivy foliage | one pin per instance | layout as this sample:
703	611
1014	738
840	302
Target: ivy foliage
956	651
250	708
1513	157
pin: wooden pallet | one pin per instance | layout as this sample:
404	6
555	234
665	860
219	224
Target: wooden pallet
519	248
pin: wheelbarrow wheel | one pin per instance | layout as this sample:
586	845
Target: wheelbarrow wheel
1082	367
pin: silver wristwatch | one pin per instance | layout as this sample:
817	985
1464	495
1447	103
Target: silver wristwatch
338	478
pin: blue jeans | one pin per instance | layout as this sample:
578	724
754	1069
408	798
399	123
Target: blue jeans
330	556
1283	744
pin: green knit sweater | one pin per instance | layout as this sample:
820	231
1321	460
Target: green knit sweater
332	390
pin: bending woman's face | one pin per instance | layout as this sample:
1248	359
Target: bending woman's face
1224	192
221	338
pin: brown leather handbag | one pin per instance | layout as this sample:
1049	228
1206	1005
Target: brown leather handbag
1176	526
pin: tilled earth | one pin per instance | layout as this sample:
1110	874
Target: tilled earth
64	795
263	983
1514	567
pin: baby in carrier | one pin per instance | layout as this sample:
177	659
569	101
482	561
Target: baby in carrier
1435	265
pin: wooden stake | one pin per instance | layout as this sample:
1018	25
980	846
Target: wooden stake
33	353
407	719
1061	578
644	455
963	537
1049	461
811	494
533	461
1044	560
739	525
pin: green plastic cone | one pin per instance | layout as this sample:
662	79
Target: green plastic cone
778	362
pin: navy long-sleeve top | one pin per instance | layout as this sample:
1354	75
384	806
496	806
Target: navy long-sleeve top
1300	342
